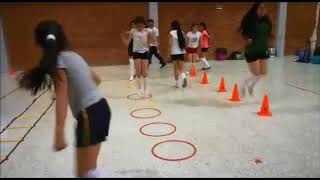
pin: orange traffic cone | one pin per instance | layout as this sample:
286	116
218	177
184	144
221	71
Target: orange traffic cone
222	87
193	71
265	109
11	72
204	78
235	94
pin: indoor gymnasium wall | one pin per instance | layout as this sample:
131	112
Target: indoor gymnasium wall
222	24
93	29
300	24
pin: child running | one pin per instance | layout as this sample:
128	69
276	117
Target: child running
75	84
205	46
154	46
177	51
256	27
193	42
142	38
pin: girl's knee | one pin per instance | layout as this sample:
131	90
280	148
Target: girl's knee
263	73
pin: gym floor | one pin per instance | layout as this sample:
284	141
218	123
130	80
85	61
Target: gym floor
221	138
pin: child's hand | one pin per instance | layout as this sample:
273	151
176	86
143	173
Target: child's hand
59	143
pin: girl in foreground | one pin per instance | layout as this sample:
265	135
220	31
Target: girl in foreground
75	84
177	50
256	28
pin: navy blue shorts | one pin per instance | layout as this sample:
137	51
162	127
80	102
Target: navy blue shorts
145	55
177	57
93	124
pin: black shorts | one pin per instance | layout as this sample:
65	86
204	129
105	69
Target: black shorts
177	57
137	55
93	124
256	56
204	49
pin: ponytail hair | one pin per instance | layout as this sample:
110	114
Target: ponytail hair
250	21
50	36
175	25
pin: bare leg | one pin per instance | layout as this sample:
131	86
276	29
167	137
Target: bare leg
87	159
263	71
176	72
137	64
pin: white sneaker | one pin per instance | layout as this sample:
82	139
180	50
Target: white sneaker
147	94
131	78
177	85
139	93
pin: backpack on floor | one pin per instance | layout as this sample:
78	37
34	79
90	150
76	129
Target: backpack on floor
221	54
236	55
304	55
317	51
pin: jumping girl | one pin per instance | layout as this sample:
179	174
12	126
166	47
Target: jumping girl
142	39
256	27
75	84
176	51
193	42
205	46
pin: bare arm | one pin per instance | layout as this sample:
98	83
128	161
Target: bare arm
96	77
200	42
169	47
61	91
187	39
126	40
150	39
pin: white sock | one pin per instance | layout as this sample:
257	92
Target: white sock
254	81
131	67
138	83
92	174
205	62
183	75
245	82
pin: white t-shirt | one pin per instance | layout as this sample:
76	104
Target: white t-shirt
140	40
154	33
193	39
175	48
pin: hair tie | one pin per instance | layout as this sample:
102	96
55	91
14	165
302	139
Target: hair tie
51	36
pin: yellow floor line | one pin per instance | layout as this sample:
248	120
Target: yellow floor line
27	117
19	127
2	158
8	141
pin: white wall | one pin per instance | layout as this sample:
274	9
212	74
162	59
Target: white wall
281	28
153	12
3	52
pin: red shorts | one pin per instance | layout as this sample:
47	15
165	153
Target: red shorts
192	50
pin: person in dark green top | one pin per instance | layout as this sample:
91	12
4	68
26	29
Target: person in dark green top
256	28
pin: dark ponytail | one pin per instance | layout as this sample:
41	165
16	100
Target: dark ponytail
50	36
175	25
249	22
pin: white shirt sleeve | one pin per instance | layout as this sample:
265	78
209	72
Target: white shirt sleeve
156	32
199	34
